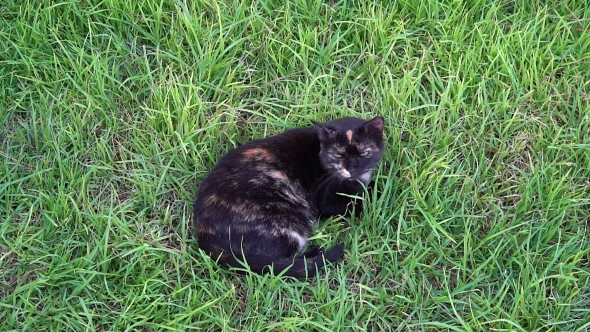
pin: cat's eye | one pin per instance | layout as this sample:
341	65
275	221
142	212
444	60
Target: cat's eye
364	153
338	156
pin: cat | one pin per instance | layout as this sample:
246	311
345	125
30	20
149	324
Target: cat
259	202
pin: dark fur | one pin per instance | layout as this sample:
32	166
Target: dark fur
258	204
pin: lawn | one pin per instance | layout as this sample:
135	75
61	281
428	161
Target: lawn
112	112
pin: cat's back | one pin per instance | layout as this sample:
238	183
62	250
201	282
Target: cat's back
281	156
281	149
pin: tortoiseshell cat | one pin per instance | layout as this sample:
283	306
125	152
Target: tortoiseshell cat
260	201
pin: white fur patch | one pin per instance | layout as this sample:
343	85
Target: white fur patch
301	241
344	173
366	177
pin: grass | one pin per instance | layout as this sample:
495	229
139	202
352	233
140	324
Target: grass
113	111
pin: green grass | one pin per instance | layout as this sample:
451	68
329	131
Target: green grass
112	112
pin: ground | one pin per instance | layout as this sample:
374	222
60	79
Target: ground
112	112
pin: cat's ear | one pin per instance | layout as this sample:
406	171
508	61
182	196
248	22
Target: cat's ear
374	126
324	133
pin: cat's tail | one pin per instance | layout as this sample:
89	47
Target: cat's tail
298	267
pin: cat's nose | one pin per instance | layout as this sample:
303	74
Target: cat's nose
352	165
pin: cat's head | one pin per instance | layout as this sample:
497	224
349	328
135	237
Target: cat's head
351	147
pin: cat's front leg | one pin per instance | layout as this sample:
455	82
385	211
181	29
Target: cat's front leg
334	199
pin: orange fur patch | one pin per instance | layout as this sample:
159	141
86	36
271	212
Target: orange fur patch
256	153
349	135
